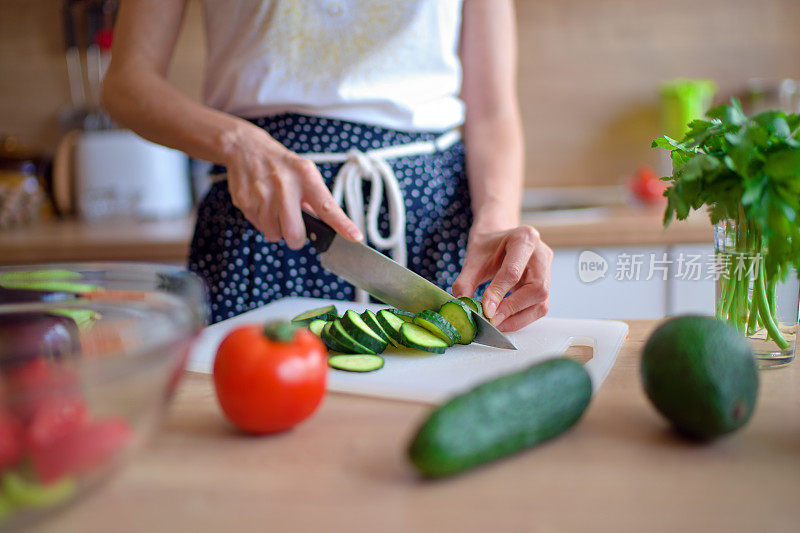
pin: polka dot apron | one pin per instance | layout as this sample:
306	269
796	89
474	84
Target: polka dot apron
244	271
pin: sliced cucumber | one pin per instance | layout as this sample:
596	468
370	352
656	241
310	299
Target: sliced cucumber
361	362
436	324
316	326
321	313
420	338
459	315
372	321
473	304
407	316
329	341
351	345
23	492
355	326
391	324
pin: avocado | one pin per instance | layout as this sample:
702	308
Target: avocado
700	373
501	417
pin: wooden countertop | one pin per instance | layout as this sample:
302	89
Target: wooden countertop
113	240
621	226
620	469
168	240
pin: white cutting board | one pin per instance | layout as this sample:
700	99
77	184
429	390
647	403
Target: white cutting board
433	378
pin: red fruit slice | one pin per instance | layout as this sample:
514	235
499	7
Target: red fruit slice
87	447
55	418
37	382
11	440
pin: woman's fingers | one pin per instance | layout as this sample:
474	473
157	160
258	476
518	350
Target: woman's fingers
519	246
533	291
267	221
468	280
480	263
291	220
270	194
530	293
520	320
321	201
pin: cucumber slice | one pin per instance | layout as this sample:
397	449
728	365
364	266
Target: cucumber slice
361	362
329	341
372	321
459	315
420	338
473	304
436	324
321	313
21	491
316	326
355	326
341	336
391	324
407	316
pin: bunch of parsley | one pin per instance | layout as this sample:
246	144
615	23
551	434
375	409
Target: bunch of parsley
745	170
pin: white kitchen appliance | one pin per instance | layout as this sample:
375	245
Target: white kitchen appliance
116	173
435	378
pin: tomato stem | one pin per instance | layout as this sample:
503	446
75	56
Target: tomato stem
280	331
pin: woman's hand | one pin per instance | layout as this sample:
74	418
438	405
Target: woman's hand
516	261
269	183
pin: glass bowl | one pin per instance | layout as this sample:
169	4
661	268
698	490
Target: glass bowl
90	355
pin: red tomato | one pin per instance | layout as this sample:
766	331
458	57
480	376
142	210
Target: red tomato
267	380
55	418
86	447
11	439
646	185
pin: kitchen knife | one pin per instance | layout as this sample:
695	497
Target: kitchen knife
386	279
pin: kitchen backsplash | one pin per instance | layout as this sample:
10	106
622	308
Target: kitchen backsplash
588	72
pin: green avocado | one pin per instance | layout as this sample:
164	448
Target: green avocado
501	417
700	373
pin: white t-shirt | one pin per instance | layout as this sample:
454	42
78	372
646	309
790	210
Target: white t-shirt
391	63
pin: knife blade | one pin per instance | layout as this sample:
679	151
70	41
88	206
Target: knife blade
387	280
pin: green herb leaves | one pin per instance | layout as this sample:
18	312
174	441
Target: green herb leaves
742	168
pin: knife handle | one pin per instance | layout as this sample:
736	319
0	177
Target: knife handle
319	233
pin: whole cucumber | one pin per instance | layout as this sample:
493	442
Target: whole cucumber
501	417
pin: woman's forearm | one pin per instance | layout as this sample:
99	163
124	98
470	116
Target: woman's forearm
494	155
138	96
492	128
146	103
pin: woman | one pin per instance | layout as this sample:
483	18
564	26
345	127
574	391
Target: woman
371	89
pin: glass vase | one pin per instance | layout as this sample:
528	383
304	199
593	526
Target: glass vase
761	304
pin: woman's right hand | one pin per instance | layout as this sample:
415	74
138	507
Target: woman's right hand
269	184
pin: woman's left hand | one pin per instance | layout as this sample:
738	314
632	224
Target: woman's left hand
516	261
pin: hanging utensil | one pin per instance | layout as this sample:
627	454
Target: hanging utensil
73	116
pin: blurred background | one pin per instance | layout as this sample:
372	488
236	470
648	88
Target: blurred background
597	83
588	72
